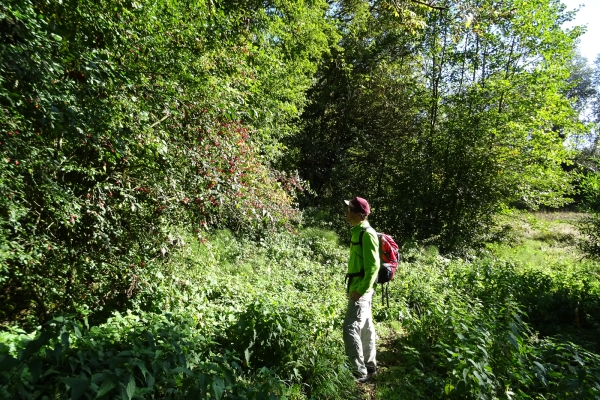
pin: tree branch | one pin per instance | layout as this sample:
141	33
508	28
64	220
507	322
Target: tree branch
160	120
429	5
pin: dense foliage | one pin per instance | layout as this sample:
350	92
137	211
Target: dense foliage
206	323
498	329
443	121
245	319
120	119
156	156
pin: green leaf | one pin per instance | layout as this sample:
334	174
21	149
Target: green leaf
247	354
78	386
218	386
540	366
64	339
448	388
512	341
105	388
130	389
479	379
140	364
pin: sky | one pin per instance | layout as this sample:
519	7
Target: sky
588	15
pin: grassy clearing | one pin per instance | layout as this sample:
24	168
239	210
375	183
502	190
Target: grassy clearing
538	238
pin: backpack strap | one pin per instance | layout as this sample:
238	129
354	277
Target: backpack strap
360	236
349	277
385	293
385	289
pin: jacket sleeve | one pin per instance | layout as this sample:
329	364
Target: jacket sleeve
370	247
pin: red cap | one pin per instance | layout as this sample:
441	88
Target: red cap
359	204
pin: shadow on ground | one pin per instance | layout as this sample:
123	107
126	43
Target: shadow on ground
399	373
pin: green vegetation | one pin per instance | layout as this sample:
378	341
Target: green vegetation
118	118
236	319
517	321
170	181
247	319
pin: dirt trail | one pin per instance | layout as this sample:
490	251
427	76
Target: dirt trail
389	366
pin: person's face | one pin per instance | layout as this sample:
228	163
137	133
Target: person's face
352	217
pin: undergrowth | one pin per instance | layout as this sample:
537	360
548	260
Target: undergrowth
519	320
216	316
220	316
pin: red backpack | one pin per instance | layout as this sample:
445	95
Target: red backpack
388	263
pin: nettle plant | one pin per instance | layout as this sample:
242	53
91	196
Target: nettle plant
130	356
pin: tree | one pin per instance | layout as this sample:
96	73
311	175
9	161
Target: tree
441	127
596	83
122	119
581	90
589	175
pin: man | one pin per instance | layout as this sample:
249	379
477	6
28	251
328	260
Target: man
363	266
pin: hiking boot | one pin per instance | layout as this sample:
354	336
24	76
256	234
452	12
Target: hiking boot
372	371
361	379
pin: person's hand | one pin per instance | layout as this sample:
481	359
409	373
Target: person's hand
354	295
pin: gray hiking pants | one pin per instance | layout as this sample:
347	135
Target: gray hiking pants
359	335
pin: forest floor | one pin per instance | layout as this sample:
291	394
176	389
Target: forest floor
390	365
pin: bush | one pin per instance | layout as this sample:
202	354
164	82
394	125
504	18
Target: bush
292	342
589	226
145	355
221	315
490	328
106	140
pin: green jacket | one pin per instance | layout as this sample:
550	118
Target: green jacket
366	256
